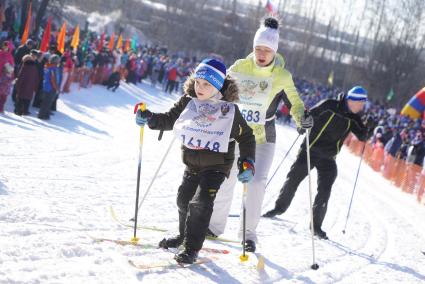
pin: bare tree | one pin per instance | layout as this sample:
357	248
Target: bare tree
40	15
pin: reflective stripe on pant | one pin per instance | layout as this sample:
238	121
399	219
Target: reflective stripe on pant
255	195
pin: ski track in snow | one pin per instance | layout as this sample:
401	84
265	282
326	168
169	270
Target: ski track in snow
58	179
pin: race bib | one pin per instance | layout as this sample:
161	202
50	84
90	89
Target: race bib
205	125
254	93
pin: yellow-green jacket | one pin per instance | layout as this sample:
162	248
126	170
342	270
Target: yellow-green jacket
252	78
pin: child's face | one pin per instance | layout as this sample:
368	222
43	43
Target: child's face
204	90
263	55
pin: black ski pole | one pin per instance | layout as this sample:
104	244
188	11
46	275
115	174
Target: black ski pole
354	188
135	239
244	256
281	162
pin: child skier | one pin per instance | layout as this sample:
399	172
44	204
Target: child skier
208	124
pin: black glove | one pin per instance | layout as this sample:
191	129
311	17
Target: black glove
300	130
370	122
307	121
370	125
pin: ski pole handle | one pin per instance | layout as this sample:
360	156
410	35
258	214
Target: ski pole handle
141	106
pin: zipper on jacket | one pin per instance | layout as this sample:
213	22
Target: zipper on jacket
323	129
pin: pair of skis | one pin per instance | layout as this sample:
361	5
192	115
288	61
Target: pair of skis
166	264
157	229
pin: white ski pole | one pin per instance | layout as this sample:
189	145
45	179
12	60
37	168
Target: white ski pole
314	266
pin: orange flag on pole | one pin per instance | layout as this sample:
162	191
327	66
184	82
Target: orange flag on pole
76	38
61	38
127	45
119	42
44	45
111	42
27	25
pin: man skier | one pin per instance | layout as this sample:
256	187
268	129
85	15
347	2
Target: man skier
333	119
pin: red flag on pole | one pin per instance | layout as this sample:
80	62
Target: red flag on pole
27	25
61	38
111	42
44	45
271	8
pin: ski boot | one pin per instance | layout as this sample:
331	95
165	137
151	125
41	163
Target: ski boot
272	213
210	234
320	234
187	256
173	242
250	246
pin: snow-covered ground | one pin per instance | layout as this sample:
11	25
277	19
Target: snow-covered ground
59	178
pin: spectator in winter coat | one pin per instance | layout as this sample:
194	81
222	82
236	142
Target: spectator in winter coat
207	106
6	72
417	150
68	66
50	86
20	52
333	121
113	81
155	71
131	69
393	146
87	71
27	83
41	60
172	78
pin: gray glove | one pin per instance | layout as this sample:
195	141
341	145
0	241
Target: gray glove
307	121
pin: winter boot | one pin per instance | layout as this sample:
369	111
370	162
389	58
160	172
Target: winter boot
173	242
250	246
210	234
272	213
320	234
187	256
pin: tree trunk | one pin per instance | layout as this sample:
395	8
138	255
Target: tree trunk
40	14
24	10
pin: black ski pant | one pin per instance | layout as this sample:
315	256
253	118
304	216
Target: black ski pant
326	171
195	201
22	106
38	96
46	104
113	85
170	86
14	91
